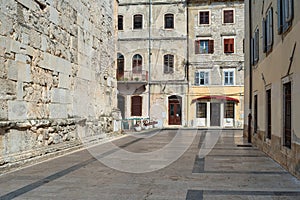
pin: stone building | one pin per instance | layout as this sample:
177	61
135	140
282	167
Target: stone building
216	59
152	47
163	40
272	79
57	75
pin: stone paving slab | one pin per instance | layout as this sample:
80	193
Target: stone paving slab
226	172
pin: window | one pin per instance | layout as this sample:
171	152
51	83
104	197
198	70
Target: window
204	17
120	22
204	46
137	21
228	77
267	27
201	78
269	114
136	106
137	63
287	89
228	16
229	110
229	45
201	110
285	14
120	66
255	113
256	47
169	21
168	64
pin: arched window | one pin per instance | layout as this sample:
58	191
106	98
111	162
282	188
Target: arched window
120	66
137	21
137	62
169	21
168	64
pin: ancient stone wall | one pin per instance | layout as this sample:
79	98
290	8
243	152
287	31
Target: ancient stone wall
56	73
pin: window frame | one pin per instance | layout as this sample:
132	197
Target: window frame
134	22
165	21
229	110
170	60
268	31
199	112
137	64
199	17
120	27
284	21
229	50
229	77
224	17
210	46
205	78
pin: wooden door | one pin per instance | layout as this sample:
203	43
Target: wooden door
174	112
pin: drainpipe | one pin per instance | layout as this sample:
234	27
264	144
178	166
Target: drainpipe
149	57
250	74
187	64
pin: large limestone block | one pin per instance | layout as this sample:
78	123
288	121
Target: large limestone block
58	111
64	81
61	96
3	110
17	110
7	89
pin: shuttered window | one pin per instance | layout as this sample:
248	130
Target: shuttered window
285	15
229	45
204	46
168	64
268	33
136	105
137	21
169	21
204	17
120	22
228	16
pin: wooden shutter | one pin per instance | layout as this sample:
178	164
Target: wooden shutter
210	46
197	47
279	16
136	106
264	35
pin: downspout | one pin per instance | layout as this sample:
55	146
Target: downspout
149	57
187	64
250	74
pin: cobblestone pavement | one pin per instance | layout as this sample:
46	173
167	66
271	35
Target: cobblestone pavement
231	170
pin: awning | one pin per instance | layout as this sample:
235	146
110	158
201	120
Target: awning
216	97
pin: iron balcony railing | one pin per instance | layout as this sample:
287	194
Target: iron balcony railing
133	76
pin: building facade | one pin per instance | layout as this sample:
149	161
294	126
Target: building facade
272	79
152	46
57	75
216	60
188	55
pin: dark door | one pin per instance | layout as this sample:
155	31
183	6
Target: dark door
121	105
174	112
120	67
287	115
215	114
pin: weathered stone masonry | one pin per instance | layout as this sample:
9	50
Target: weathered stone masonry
56	74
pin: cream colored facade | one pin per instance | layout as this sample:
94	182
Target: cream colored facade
274	127
216	92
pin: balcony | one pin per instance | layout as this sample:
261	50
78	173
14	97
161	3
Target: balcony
133	77
130	82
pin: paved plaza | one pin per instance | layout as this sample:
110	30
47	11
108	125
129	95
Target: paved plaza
160	165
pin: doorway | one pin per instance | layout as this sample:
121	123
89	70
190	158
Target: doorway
215	114
175	111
